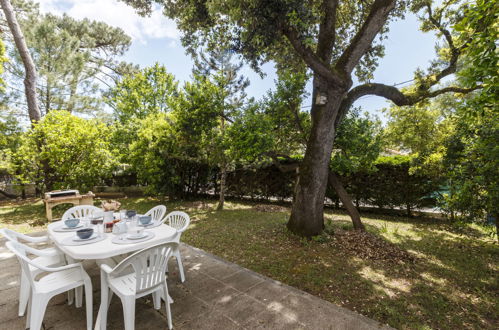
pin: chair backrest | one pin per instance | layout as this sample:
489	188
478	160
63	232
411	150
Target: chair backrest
157	213
178	220
149	266
20	251
11	235
80	211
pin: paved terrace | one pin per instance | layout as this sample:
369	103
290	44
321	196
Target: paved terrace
216	295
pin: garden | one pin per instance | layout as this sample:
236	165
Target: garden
391	213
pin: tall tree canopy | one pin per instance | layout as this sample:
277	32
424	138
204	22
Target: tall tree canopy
147	91
334	39
74	59
219	67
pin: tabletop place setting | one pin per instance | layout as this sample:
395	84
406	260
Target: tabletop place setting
123	226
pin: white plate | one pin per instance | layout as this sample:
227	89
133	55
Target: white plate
71	228
128	236
149	224
77	239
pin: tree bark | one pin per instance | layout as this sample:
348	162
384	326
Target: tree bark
307	218
352	211
29	66
223	178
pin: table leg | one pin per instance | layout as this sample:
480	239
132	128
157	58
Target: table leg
48	209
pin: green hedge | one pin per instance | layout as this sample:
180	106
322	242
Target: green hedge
389	185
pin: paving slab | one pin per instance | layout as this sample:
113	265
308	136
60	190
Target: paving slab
216	295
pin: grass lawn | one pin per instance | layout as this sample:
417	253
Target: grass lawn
408	273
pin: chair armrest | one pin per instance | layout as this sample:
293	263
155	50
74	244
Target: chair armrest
58	269
106	268
50	252
33	239
41	253
181	230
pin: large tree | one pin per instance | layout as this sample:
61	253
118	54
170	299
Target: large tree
335	39
75	59
222	70
29	66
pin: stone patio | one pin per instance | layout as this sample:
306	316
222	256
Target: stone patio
216	295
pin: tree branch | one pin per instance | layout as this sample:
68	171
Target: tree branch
307	54
455	52
362	41
327	32
282	167
396	96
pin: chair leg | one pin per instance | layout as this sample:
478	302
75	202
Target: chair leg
89	304
24	292
129	312
28	312
156	298
106	296
38	306
70	260
180	266
167	303
78	297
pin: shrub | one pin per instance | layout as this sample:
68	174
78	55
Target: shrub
64	151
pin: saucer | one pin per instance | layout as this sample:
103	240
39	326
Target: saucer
77	239
130	236
71	228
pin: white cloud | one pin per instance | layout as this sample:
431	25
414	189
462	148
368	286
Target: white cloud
117	14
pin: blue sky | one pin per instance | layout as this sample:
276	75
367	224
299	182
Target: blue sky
156	39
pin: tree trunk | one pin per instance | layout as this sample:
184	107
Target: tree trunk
352	211
408	210
307	218
496	218
29	66
223	177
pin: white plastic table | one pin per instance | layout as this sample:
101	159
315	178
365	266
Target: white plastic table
105	248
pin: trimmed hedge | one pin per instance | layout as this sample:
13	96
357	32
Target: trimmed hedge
389	185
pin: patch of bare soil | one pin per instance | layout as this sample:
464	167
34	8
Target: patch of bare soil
269	208
369	246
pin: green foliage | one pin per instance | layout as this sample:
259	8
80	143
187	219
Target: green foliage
276	125
358	143
160	155
472	156
148	91
253	28
479	28
64	151
472	160
3	59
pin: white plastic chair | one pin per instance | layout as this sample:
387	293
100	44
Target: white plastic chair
180	221
48	257
80	211
147	276
56	281
157	213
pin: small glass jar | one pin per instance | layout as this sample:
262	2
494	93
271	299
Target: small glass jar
108	227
